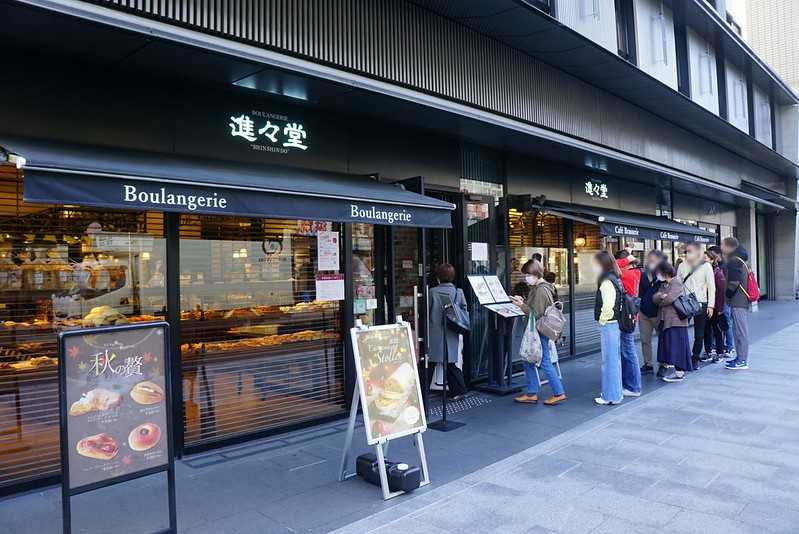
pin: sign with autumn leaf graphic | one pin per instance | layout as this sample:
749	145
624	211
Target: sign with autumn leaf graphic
115	404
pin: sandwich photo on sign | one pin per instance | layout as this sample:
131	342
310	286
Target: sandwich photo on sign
389	382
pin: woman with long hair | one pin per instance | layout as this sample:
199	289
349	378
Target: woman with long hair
607	310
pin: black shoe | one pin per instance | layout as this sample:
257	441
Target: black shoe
696	365
705	357
647	370
662	371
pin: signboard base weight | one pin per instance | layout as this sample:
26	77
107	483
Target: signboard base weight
445	426
501	390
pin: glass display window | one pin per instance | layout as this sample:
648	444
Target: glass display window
364	290
62	268
261	324
535	235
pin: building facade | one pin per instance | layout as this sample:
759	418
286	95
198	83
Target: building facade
770	25
264	174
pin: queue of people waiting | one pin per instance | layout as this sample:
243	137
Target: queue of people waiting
711	291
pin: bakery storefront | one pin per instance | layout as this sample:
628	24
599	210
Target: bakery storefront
570	217
260	270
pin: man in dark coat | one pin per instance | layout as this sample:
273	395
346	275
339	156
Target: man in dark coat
738	299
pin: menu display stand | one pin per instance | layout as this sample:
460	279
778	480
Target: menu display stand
491	295
114	400
385	362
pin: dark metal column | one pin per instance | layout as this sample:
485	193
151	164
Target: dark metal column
172	225
569	231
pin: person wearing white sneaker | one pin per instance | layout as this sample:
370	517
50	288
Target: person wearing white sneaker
673	346
628	393
607	310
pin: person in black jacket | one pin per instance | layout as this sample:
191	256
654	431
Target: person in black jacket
737	297
648	318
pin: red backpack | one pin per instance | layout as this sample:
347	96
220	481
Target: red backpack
752	290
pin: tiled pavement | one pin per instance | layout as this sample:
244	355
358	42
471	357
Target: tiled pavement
718	453
688	456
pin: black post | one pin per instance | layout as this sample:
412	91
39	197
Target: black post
444	369
172	224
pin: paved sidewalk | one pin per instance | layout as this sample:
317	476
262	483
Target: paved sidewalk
287	483
717	453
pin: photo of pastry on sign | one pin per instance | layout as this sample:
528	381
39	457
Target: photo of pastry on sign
115	398
387	370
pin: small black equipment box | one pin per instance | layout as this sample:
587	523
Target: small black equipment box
401	477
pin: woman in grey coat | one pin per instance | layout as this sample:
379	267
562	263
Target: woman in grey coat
439	332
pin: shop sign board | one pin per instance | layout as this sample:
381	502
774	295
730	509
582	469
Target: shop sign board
115	407
596	188
636	232
99	191
269	132
388	380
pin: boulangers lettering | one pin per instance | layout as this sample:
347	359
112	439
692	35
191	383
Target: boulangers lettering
374	214
163	198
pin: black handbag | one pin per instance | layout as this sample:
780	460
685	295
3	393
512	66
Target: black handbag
457	320
687	306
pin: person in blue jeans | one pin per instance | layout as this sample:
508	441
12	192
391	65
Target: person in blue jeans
542	295
607	310
630	281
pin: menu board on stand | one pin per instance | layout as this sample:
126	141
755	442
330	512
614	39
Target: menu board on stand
114	395
492	295
389	389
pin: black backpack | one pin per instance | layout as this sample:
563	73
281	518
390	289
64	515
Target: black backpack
628	309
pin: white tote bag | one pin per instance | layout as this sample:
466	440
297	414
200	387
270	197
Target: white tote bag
530	349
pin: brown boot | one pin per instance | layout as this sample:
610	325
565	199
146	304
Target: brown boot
556	399
528	399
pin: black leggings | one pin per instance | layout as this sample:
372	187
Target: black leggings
713	333
700	326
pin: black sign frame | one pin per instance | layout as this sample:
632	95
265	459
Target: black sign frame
66	491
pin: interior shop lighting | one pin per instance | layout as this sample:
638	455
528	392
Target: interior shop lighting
579	241
12	158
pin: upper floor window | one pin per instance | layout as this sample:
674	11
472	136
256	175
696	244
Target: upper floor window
659	37
589	9
764	119
706	71
739	99
625	32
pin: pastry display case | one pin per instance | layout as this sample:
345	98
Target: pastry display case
258	349
61	268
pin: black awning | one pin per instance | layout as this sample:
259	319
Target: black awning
626	224
117	178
